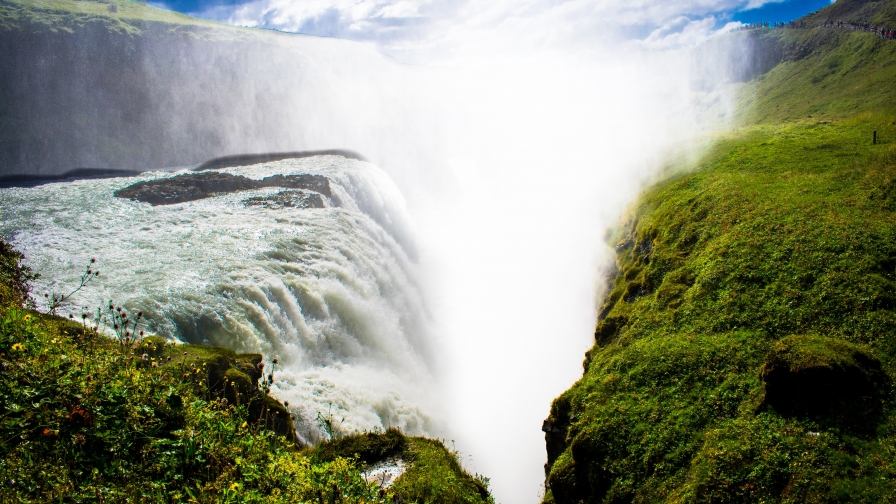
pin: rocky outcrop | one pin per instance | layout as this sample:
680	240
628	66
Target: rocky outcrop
227	375
197	186
287	199
824	378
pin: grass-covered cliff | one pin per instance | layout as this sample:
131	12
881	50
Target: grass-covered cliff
747	349
86	417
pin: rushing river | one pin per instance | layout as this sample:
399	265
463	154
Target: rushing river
330	292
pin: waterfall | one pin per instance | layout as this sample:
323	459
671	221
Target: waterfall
330	292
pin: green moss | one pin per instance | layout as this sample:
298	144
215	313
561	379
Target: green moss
152	346
370	447
802	353
435	476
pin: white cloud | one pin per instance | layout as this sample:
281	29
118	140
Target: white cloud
435	30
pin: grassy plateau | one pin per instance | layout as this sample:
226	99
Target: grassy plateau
746	350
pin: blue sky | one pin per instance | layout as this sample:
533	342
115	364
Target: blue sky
784	11
779	12
424	30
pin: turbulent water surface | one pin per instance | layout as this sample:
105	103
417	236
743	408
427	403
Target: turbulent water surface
329	291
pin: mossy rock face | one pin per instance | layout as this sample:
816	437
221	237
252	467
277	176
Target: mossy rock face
250	365
152	346
235	377
273	415
816	376
237	386
370	447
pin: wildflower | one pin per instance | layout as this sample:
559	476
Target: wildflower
145	356
27	317
53	341
244	425
155	364
18	347
235	486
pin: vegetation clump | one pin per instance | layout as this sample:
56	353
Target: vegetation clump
828	379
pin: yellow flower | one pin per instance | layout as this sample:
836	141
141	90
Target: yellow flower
27	317
235	486
244	425
18	347
53	342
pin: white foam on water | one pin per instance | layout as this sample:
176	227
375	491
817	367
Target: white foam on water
331	292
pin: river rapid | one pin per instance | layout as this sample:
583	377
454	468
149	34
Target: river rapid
331	292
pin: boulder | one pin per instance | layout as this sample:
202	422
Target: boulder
828	379
196	186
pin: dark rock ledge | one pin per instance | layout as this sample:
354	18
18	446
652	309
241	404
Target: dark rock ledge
197	186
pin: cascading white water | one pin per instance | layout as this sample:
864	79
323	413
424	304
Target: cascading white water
329	291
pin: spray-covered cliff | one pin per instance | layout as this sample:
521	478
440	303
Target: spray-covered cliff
746	350
117	84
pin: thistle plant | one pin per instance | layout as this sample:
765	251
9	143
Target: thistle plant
56	300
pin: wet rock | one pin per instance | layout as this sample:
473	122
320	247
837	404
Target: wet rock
196	186
828	379
288	199
555	429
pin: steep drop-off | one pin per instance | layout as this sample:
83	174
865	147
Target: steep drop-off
745	351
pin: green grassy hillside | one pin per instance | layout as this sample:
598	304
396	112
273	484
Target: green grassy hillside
118	16
747	349
87	417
